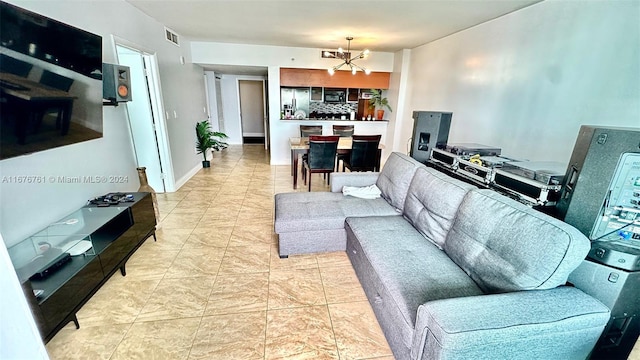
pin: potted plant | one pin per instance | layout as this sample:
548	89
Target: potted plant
208	139
377	101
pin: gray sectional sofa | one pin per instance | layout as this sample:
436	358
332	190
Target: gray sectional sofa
451	271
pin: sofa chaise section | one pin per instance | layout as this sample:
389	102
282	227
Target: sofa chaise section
312	222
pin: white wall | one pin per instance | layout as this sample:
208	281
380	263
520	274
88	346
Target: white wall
231	104
19	336
526	81
283	56
27	208
212	104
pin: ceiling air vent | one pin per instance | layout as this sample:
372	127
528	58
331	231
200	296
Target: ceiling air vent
333	54
171	36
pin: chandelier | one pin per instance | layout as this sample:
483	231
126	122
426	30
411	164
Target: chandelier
347	59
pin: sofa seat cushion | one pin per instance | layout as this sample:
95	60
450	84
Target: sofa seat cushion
323	210
507	246
432	202
395	178
410	269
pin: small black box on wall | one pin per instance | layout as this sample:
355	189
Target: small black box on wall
116	83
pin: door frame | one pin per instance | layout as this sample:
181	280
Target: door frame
155	94
264	108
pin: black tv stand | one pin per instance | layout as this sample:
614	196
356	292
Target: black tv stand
115	233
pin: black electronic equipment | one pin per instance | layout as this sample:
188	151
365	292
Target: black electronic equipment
469	149
47	65
621	254
618	290
430	129
51	267
111	199
116	83
595	158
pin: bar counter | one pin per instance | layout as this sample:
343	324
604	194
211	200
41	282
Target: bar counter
336	120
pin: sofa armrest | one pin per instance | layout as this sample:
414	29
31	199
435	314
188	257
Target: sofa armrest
338	180
560	323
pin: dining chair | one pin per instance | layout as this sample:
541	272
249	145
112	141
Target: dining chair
58	82
343	130
364	153
321	156
308	130
14	66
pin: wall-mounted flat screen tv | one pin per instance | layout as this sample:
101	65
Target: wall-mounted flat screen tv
50	83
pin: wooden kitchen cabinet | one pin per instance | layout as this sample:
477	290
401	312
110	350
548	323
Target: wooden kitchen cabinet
341	79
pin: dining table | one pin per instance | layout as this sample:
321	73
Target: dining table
300	146
30	99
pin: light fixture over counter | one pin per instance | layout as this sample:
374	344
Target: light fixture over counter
347	59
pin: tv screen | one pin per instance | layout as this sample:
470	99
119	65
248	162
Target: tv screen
50	83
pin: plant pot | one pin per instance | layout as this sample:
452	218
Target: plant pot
206	164
380	114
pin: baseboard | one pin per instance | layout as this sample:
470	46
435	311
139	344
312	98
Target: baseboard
183	180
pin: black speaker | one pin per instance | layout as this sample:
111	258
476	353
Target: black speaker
116	83
430	129
618	290
593	162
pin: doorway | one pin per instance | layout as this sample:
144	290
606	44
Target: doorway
252	111
142	111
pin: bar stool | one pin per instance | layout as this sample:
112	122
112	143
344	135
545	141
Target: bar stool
308	130
343	130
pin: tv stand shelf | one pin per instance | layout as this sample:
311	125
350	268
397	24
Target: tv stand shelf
114	233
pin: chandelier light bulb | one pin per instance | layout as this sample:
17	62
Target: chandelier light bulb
340	50
327	54
353	70
331	71
366	52
367	71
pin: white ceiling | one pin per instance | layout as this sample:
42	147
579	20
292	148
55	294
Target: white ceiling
379	25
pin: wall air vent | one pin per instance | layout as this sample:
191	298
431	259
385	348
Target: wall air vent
171	36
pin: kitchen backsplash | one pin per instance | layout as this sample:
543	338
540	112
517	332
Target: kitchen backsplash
330	108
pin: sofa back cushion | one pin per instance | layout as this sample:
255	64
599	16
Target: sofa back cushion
432	202
395	178
506	246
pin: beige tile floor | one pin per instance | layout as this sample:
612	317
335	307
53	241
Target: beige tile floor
213	286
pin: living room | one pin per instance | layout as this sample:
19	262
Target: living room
525	82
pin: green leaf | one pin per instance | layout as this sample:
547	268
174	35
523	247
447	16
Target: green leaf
208	139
